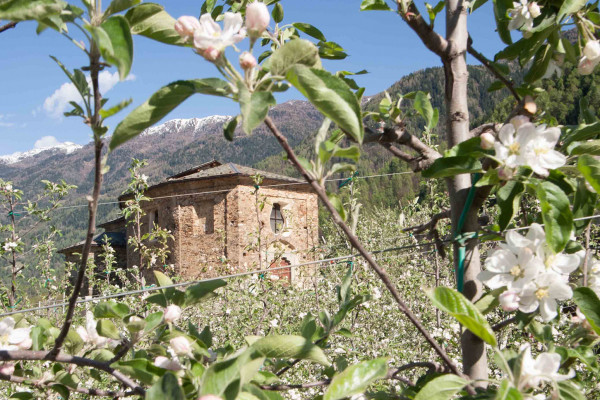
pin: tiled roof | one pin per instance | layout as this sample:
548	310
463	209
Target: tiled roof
229	169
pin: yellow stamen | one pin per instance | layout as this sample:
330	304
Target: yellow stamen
541	293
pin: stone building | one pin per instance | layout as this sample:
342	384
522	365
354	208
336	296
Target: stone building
219	221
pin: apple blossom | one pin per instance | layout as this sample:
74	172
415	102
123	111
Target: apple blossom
167	363
89	334
509	300
586	66
487	141
210	40
544	292
180	345
7	368
13	339
209	397
522	15
506	173
257	18
543	369
247	60
172	313
186	26
592	50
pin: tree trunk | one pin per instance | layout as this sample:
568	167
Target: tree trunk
457	130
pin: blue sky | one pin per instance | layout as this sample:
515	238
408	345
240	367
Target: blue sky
34	88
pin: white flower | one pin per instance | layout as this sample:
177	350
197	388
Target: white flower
543	369
522	15
247	60
544	293
376	293
594	275
505	268
9	246
302	315
509	300
89	334
274	323
186	26
180	345
228	311
586	66
172	313
167	363
487	141
210	40
7	368
592	50
257	18
13	339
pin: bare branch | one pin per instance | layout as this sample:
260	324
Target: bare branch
399	135
30	355
44	384
360	248
510	85
8	26
429	225
500	325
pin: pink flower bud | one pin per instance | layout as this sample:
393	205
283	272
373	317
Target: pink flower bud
506	173
180	345
211	54
186	26
257	18
7	368
586	66
592	50
487	141
209	397
509	300
247	61
172	313
164	362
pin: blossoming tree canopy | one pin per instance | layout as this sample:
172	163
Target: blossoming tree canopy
527	166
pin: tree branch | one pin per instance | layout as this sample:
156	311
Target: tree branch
96	123
500	325
429	225
431	39
360	248
490	67
8	26
44	384
30	355
399	135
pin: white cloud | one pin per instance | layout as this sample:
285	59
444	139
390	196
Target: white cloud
45	142
56	104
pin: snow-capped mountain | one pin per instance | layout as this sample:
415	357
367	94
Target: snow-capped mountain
65	148
176	126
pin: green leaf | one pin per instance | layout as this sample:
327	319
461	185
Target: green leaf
310	30
337	204
591	148
229	128
540	64
23	395
331	96
590	169
162	103
582	132
356	378
556	214
254	107
119	50
22	10
423	106
107	328
331	51
489	301
153	320
441	388
589	304
584	204
290	346
500	12
225	378
509	198
115	109
140	369
569	7
457	305
62	390
200	291
77	78
296	51
507	392
470	147
277	13
117	6
450	166
167	388
567	390
111	309
374	5
152	21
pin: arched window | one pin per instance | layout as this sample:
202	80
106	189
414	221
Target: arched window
277	221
